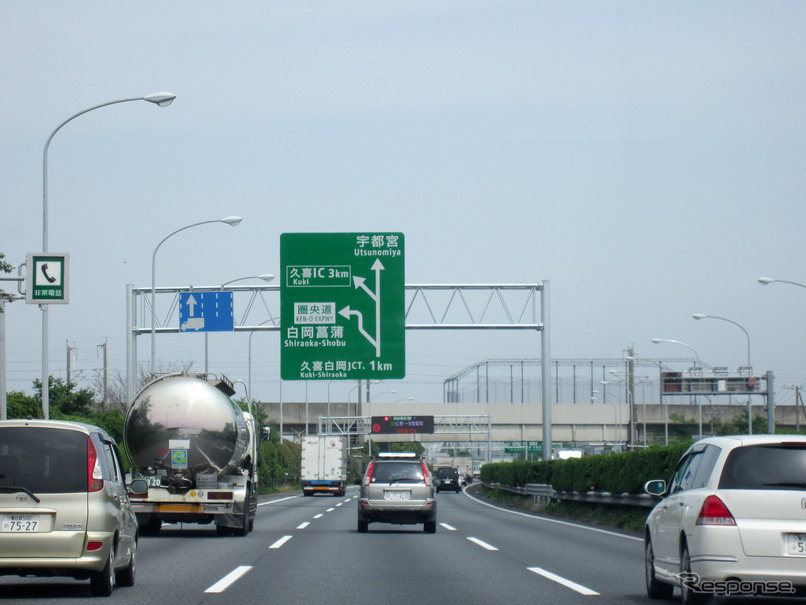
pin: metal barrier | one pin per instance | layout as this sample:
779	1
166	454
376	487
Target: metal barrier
543	493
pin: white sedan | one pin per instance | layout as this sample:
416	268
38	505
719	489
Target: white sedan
732	520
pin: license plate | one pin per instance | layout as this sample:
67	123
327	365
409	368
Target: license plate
20	524
396	495
797	544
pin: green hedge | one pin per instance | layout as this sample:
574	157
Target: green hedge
616	473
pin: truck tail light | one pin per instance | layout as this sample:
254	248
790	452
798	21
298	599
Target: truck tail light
219	496
368	476
95	478
714	512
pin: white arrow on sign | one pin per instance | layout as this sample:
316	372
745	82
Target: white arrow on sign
347	312
192	305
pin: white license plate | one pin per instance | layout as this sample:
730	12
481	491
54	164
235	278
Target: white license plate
20	524
396	495
796	544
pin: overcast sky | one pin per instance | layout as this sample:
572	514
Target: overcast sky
646	158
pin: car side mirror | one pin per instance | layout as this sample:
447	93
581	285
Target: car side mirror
656	487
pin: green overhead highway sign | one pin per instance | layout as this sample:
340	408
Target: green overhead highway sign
342	306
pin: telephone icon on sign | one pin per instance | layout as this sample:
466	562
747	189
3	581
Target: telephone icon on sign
45	273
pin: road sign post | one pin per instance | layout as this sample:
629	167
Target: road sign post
342	306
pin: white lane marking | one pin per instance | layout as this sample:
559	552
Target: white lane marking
330	510
448	527
303	525
319	516
229	579
567	583
278	500
482	544
339	504
556	521
280	542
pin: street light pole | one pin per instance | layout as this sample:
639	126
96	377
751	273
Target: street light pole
233	221
768	280
677	342
703	316
161	99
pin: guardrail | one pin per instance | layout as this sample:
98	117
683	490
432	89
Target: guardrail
543	493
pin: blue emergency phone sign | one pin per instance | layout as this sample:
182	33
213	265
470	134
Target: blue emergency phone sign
206	312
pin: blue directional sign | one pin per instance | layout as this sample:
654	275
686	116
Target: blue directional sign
206	312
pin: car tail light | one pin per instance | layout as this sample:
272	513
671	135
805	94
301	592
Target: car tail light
714	512
95	478
94	545
426	474
368	476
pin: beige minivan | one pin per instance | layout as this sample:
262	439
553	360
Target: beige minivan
64	509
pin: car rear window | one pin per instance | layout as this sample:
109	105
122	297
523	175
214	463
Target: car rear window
44	460
397	472
447	472
777	466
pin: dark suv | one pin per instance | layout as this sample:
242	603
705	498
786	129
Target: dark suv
447	478
397	488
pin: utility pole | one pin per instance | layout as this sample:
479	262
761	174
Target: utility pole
106	369
631	392
69	357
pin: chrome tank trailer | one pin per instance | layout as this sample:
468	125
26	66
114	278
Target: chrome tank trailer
181	427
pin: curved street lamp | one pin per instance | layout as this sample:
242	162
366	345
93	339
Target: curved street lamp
266	277
768	280
161	99
232	221
703	316
677	342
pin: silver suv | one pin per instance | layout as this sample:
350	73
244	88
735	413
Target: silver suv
397	488
64	510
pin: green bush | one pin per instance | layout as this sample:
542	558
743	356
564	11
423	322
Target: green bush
616	473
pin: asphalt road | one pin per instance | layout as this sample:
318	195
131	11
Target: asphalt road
304	550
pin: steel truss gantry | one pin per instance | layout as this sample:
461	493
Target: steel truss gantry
428	307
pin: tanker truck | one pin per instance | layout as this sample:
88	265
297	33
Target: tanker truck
198	452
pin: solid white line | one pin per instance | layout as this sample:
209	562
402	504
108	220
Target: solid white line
567	583
229	579
280	542
448	527
482	544
303	525
556	521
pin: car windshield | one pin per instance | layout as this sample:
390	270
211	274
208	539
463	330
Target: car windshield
43	460
395	472
776	466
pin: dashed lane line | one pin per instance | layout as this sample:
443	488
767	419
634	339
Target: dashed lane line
583	590
229	579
